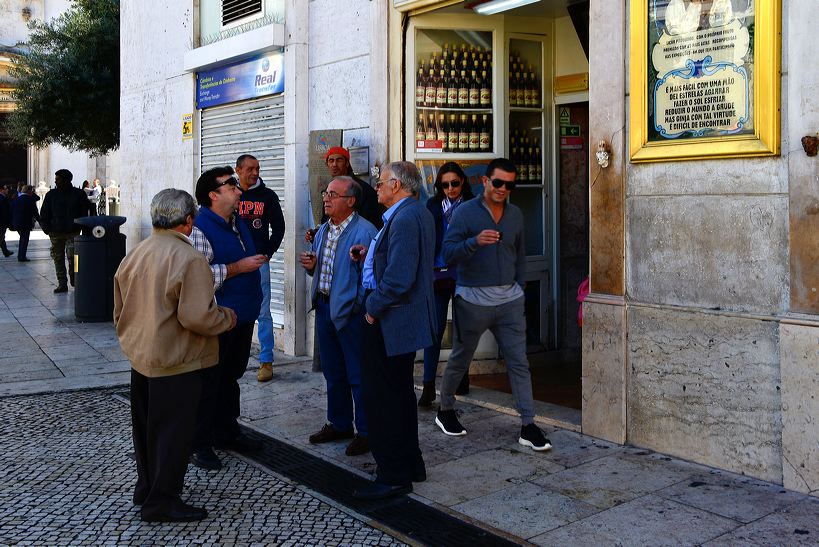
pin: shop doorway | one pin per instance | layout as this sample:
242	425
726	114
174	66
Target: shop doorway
12	156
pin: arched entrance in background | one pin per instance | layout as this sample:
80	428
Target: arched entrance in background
13	156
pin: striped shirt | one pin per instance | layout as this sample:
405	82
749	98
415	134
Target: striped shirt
328	253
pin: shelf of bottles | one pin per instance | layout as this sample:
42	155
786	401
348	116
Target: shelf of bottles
525	101
453	92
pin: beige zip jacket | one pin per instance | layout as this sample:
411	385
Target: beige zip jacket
165	314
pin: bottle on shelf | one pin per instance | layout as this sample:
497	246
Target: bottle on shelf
440	90
463	134
420	87
474	134
474	91
538	161
431	88
440	129
535	90
527	91
531	165
452	134
429	131
452	90
485	91
463	90
485	134
420	133
445	53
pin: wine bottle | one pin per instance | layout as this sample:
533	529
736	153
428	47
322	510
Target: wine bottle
535	90
531	164
486	134
430	90
420	87
474	91
420	134
538	162
463	134
452	134
452	90
485	91
440	129
440	90
430	133
463	90
474	134
527	91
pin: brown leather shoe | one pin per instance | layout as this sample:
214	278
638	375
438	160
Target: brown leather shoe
359	446
328	434
265	373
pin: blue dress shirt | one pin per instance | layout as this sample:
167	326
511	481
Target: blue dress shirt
367	274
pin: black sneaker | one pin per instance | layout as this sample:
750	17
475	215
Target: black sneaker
532	436
206	458
447	420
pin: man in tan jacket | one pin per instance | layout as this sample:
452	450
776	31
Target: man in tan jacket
167	322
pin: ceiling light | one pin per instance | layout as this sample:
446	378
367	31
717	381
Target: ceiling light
497	6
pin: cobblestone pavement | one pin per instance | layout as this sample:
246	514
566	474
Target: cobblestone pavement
66	478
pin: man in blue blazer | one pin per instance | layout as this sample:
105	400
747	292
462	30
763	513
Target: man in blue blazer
400	315
338	298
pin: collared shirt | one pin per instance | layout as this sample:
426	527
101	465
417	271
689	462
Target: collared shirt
328	253
367	273
202	245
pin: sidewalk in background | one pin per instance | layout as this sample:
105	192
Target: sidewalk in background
584	491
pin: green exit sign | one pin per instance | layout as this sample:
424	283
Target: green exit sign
569	130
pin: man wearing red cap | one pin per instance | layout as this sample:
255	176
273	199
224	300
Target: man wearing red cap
337	159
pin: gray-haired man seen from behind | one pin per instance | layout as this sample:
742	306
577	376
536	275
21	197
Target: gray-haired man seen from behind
167	322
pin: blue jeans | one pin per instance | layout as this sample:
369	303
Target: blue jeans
265	318
341	354
433	353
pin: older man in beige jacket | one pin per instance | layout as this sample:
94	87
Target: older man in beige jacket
167	322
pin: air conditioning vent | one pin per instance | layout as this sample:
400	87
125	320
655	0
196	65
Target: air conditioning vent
236	10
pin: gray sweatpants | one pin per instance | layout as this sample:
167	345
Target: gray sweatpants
508	324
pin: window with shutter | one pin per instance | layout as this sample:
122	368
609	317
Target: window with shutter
238	10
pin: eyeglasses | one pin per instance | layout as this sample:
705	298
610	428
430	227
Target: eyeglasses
333	195
382	182
499	183
231	181
455	183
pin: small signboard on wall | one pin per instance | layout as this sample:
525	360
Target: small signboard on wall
239	81
318	175
187	126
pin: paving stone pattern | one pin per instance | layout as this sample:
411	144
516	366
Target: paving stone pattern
66	478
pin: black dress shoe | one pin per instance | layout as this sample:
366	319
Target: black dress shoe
380	491
242	443
178	512
8	253
206	459
23	260
61	288
419	473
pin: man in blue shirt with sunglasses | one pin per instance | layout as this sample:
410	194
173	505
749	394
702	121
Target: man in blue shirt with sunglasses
485	241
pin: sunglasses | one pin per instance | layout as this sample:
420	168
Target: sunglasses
381	183
455	183
499	183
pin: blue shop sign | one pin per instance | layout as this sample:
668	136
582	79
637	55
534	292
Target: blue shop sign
245	80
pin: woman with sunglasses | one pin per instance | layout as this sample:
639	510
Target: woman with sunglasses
451	190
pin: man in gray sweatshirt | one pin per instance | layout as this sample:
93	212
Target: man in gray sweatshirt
485	241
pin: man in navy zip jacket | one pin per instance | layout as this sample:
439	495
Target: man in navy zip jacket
260	209
228	246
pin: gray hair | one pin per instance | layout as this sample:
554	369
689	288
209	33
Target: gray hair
171	207
353	188
407	174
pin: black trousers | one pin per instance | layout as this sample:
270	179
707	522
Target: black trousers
3	246
217	420
392	411
23	246
163	414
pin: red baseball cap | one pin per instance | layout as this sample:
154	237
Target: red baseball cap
337	150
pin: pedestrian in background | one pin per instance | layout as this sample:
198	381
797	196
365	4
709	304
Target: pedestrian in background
61	206
167	322
451	190
5	218
23	216
338	298
262	213
225	241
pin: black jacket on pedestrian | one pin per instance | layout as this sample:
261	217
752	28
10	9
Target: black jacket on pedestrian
24	213
60	207
5	213
262	213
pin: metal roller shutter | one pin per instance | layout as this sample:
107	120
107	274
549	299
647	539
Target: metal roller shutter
251	127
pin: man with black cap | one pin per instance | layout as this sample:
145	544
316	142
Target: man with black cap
228	246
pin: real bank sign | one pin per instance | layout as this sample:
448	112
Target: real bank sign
239	81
